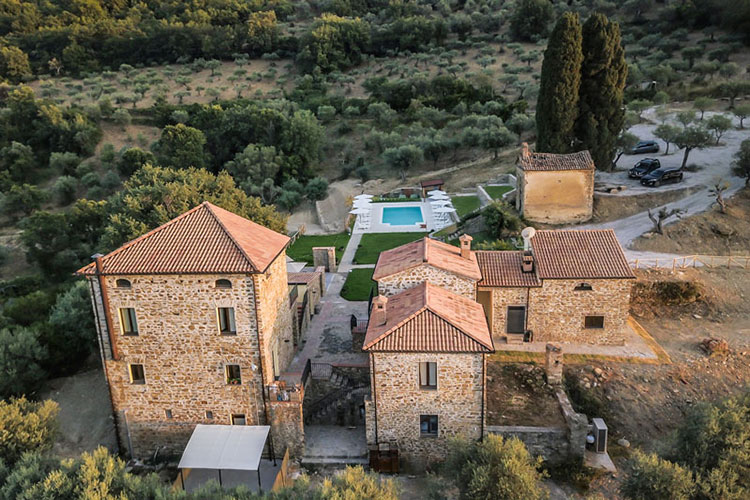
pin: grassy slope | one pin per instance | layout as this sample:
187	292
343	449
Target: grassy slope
465	204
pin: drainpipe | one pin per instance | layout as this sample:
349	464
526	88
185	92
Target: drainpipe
374	396
105	304
97	318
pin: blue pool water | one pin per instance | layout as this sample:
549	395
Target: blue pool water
402	216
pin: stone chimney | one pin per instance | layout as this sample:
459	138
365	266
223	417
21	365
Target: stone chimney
527	262
465	240
554	364
378	314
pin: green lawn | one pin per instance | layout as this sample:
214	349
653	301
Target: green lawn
301	250
465	204
358	284
497	192
374	243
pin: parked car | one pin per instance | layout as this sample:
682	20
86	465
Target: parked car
662	176
643	167
645	147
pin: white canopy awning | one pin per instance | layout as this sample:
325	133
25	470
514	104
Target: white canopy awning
225	447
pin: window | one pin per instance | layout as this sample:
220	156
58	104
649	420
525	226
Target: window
122	283
223	283
428	375
516	319
593	322
583	287
128	321
209	414
232	373
137	375
226	321
238	419
428	425
168	413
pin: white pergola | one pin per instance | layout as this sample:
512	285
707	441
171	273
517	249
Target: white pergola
225	448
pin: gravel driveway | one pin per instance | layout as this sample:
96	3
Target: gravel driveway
716	163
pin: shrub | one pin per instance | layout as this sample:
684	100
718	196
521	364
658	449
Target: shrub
21	356
64	163
22	199
26	426
316	189
133	159
497	468
72	335
65	189
499	219
653	478
530	19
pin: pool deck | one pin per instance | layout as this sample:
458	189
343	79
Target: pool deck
377	226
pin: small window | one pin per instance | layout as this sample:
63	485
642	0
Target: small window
122	283
238	419
428	375
168	413
583	287
223	284
232	374
128	321
226	321
594	322
209	414
137	375
428	425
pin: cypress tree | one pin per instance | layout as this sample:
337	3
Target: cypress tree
601	114
557	105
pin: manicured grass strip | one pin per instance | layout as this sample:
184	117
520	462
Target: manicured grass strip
358	284
465	204
374	243
497	192
301	250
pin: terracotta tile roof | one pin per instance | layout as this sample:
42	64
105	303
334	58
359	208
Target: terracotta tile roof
302	278
585	253
205	240
503	268
433	182
529	160
433	252
428	318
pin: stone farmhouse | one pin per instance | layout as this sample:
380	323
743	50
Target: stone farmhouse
427	348
194	324
555	188
442	309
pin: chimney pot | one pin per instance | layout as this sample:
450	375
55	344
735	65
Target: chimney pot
527	262
465	240
379	314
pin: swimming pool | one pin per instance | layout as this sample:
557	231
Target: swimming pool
402	216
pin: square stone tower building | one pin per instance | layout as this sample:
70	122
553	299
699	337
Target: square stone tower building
193	324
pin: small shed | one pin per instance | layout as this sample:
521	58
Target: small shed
232	455
430	185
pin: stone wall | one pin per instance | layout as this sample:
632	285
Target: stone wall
325	257
391	285
555	197
275	317
287	424
551	443
457	401
184	357
555	311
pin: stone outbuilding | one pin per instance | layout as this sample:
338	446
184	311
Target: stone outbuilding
555	188
428	350
194	324
432	261
571	286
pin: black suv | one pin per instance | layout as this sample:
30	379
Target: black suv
662	176
643	167
645	147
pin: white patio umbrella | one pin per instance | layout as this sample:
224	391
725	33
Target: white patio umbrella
360	211
440	203
434	192
439	196
444	210
363	197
